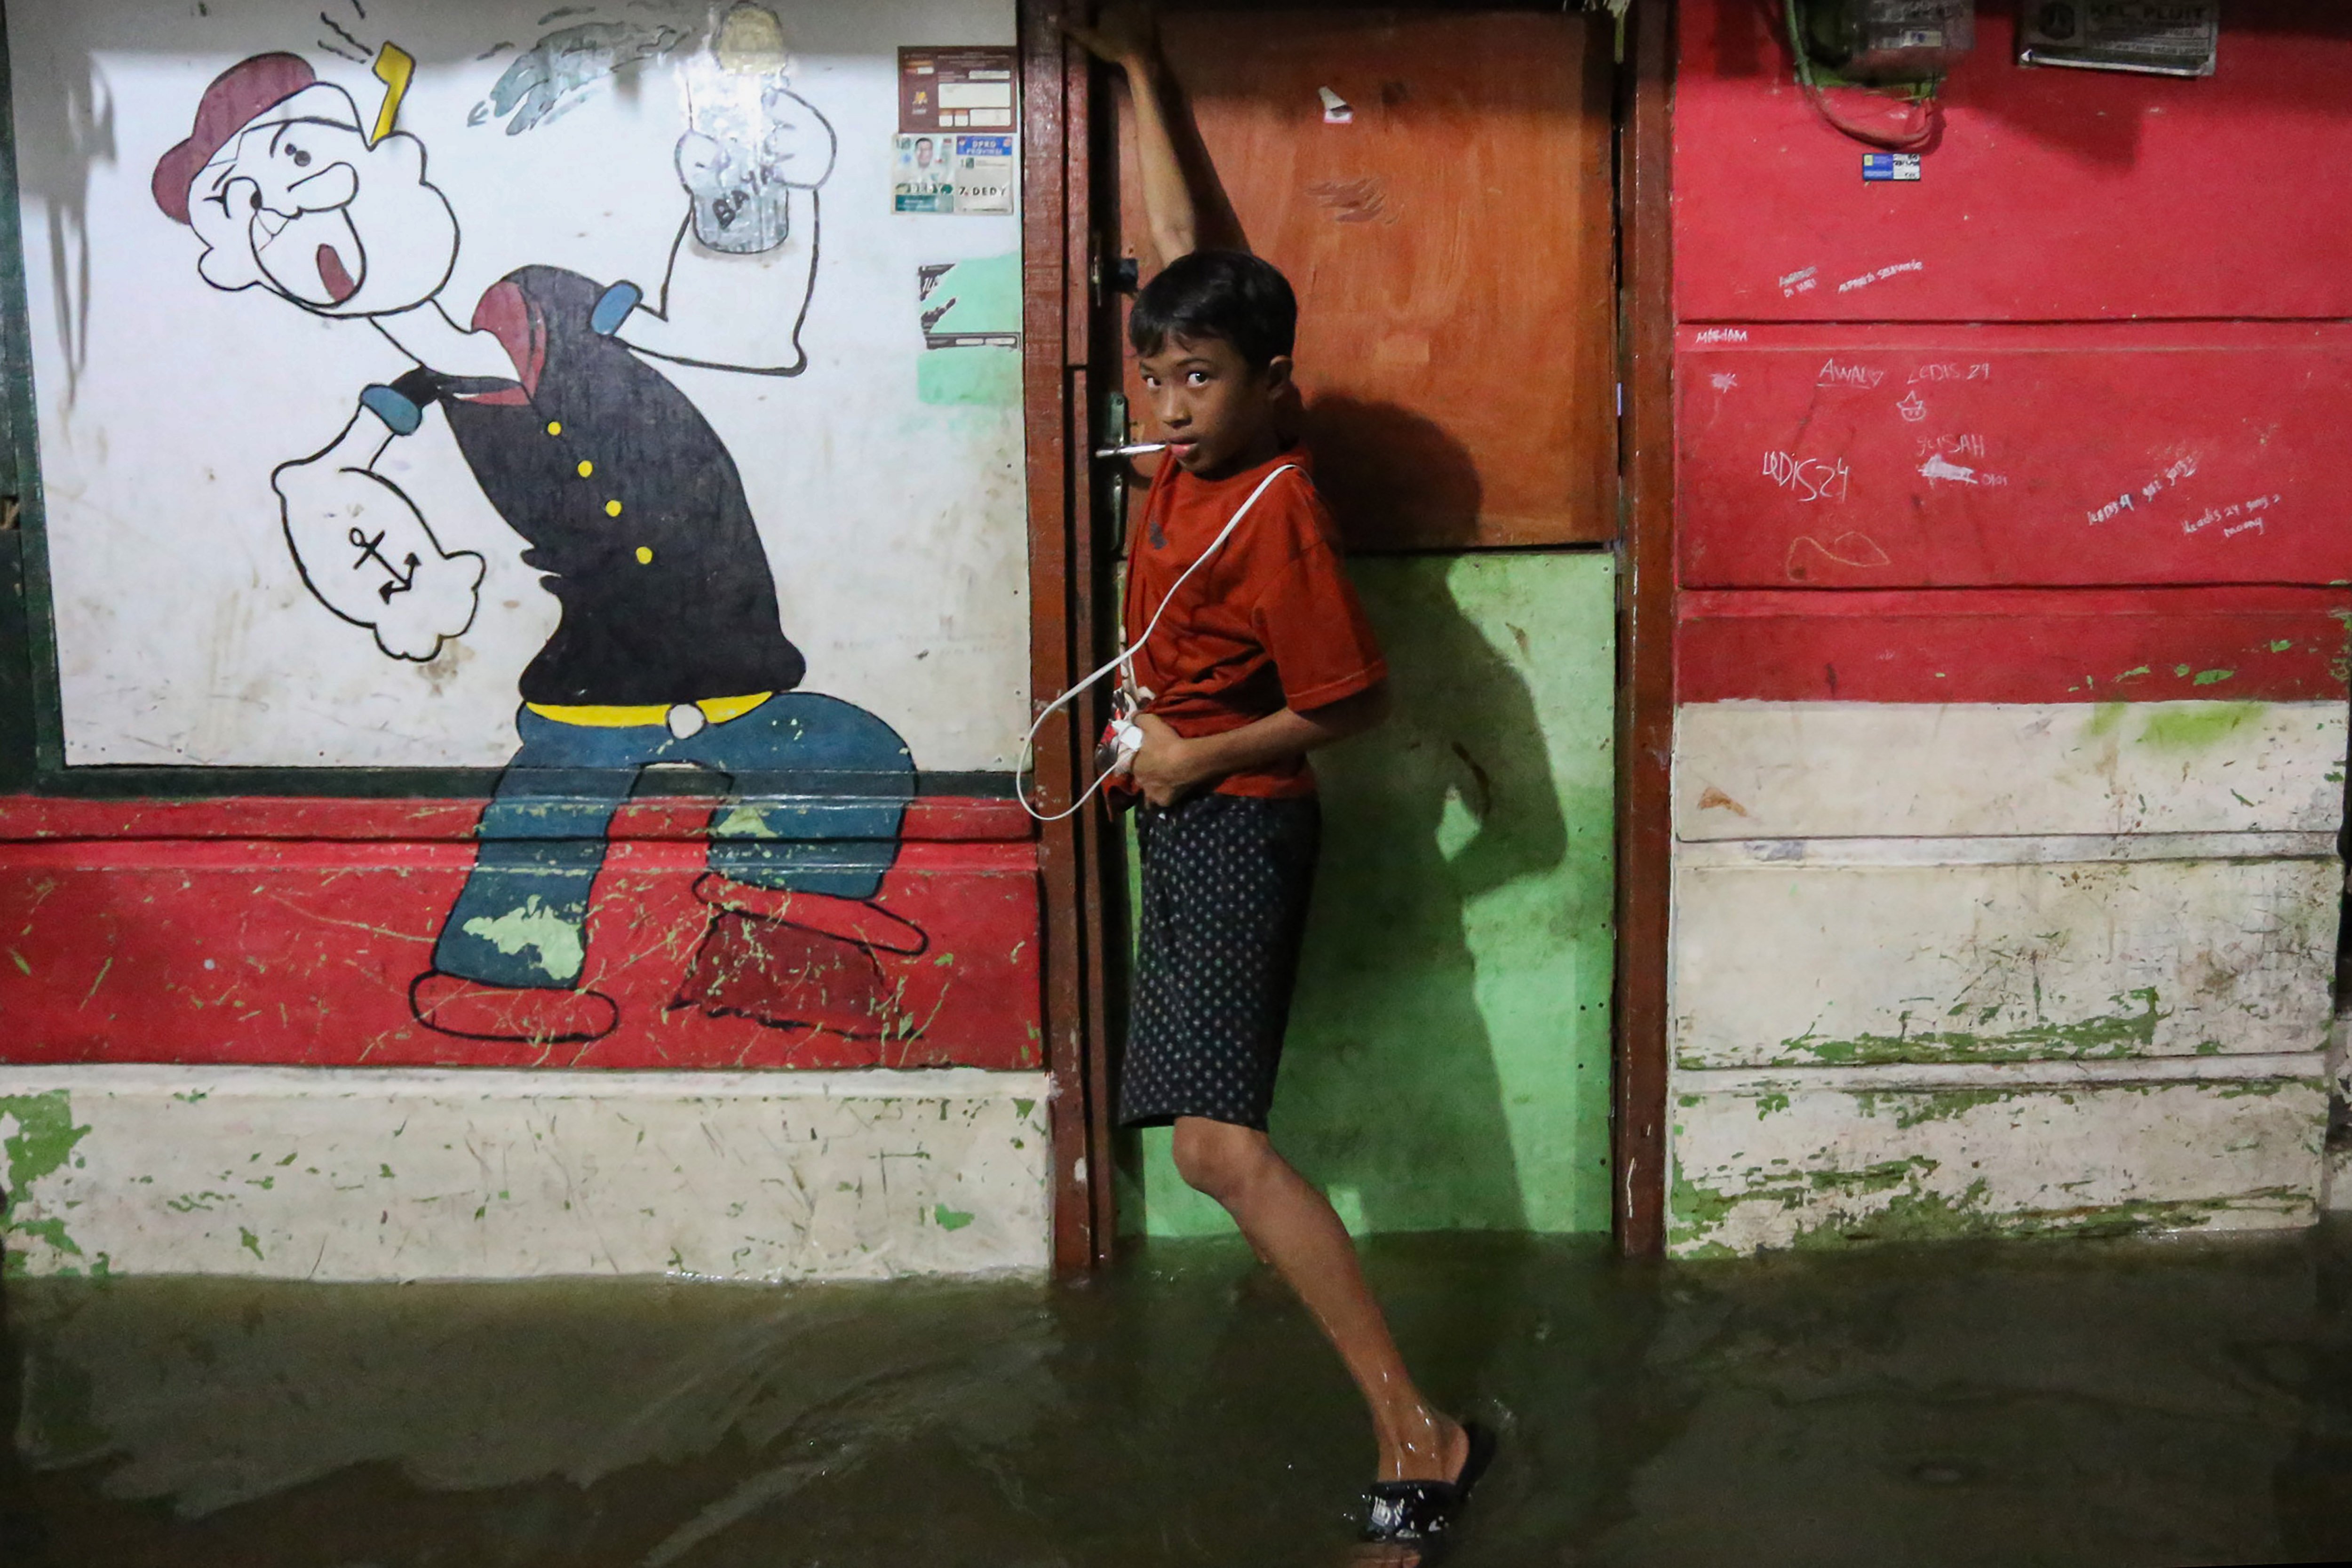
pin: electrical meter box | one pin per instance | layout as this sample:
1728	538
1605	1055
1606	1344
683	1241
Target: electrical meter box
1890	40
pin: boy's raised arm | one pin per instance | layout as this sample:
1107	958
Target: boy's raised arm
1128	35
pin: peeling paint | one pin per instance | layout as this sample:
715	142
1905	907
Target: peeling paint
1843	1165
534	925
744	822
43	1142
1916	1106
2108	1036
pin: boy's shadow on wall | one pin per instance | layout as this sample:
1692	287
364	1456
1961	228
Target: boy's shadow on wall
1390	1098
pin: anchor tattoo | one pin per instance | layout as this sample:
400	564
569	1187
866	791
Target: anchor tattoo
398	581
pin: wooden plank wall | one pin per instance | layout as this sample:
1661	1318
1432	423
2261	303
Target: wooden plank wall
2011	646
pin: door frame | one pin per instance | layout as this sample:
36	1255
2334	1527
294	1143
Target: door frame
1065	158
1645	627
1078	858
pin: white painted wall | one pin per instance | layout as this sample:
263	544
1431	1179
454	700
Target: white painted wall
186	635
1798	962
422	1174
1862	770
1769	1160
2000	969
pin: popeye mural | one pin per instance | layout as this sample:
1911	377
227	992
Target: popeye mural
670	649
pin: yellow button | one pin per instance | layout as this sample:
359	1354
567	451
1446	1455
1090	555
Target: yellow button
644	556
586	467
556	427
612	508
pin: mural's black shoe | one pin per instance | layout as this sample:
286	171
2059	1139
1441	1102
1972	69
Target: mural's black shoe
477	1010
1427	1513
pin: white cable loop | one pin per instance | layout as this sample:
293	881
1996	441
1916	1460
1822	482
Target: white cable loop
1021	764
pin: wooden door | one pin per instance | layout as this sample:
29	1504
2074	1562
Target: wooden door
1447	225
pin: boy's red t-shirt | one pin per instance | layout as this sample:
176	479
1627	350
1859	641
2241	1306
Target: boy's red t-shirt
1271	622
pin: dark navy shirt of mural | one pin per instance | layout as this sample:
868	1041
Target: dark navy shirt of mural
630	501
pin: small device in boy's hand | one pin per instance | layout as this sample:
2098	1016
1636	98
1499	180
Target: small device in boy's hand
1122	737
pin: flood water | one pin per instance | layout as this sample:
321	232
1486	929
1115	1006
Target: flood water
2108	1403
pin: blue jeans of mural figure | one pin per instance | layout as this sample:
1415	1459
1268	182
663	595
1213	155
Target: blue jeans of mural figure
843	776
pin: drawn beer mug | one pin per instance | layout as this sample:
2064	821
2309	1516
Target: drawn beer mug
751	142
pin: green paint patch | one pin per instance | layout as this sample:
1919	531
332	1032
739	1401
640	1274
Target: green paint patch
744	822
972	298
2119	1033
950	1219
2263	1088
42	1144
986	376
18	960
2213	676
1022	1108
535	926
249	1241
1912	1108
1694	1210
1932	1217
2105	719
1766	1104
2281	645
2197	726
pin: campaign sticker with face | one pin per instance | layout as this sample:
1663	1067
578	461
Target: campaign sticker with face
921	174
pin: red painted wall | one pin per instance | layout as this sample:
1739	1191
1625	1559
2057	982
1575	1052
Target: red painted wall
2056	195
1926	432
290	932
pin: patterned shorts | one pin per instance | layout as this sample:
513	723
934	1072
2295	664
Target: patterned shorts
1225	884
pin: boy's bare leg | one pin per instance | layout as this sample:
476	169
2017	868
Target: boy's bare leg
1292	1226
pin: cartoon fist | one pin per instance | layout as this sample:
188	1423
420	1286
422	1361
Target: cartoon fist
364	551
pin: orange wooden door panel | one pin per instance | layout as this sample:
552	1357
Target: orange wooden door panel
1451	245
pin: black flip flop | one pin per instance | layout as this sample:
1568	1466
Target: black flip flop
1421	1511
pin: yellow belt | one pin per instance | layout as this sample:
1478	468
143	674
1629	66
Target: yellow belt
621	716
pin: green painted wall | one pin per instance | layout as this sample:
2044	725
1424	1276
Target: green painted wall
1448	1059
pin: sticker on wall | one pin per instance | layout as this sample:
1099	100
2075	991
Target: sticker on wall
968	88
972	176
1901	167
2181	39
972	331
984	173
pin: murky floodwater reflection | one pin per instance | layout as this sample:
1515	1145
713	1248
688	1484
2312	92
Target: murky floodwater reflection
2107	1404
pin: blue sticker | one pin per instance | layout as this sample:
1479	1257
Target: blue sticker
1903	166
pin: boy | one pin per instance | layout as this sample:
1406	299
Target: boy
1263	657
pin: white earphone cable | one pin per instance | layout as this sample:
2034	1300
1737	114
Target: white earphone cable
1022	763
